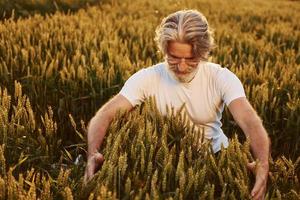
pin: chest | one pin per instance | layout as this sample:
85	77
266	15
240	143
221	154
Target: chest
203	102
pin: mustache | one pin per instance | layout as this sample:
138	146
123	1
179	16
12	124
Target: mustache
175	68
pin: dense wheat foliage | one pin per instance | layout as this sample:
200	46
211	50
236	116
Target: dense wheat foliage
57	70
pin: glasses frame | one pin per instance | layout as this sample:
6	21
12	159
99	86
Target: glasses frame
172	60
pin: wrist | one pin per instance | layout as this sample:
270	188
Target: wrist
263	166
264	163
92	153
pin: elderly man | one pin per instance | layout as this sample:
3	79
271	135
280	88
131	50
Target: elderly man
186	77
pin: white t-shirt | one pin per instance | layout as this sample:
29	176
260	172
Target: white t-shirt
204	97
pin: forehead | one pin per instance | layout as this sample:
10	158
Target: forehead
180	50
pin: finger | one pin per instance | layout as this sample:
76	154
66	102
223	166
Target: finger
86	177
93	165
90	168
260	194
258	189
89	176
252	166
99	158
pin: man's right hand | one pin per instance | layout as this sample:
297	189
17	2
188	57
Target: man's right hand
94	163
97	129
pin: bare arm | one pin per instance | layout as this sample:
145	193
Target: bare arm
251	124
100	122
97	129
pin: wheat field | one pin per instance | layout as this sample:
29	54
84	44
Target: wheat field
57	69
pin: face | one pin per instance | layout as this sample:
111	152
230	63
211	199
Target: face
182	65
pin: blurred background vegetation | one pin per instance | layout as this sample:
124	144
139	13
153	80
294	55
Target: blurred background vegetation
26	8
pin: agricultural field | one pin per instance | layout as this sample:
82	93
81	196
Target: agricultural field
57	69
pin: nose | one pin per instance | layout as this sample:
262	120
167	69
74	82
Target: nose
182	66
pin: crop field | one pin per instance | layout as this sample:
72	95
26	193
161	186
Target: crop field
58	68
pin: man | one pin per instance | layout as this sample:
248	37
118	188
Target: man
186	77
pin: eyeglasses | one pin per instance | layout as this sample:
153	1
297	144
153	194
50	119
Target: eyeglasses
189	61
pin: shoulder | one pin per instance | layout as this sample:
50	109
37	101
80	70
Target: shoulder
214	68
226	82
218	72
155	69
146	76
213	72
151	72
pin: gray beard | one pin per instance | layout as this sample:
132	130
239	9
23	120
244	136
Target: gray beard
183	79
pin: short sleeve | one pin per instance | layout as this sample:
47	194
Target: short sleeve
230	86
135	88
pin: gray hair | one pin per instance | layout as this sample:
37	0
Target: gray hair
186	26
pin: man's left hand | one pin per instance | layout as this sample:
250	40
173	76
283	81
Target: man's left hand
261	177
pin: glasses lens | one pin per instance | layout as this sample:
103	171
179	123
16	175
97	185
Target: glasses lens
175	61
